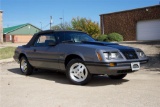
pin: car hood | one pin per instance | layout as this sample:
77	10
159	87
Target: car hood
112	45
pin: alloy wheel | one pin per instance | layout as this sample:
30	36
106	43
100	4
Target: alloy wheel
78	72
24	65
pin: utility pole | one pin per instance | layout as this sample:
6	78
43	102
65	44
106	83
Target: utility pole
63	19
61	23
50	22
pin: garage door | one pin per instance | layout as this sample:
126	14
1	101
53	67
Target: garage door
148	30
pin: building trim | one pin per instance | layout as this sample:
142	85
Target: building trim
130	10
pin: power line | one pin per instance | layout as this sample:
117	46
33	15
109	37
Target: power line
46	26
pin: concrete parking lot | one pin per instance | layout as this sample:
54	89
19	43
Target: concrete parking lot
52	89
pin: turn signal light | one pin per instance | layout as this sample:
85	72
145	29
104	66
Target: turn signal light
112	64
99	56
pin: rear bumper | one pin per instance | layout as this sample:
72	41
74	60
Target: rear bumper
119	68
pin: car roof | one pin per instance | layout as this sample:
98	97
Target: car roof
48	31
51	31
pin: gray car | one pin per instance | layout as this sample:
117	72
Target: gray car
78	55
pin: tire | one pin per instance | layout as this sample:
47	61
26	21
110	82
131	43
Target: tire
120	76
25	67
77	72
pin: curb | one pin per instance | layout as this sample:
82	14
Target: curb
6	60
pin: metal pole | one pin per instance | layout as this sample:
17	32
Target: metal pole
50	22
63	19
61	23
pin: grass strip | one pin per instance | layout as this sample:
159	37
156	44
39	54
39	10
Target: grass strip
7	52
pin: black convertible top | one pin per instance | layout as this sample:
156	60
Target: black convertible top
35	36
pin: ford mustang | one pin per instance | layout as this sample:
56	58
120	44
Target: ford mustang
78	55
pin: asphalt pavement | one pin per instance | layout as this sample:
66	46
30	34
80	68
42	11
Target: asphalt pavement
51	89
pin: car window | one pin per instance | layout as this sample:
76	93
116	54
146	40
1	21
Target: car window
73	36
60	37
45	39
78	37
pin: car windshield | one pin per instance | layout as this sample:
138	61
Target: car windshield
76	37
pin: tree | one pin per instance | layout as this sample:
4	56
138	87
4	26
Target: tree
56	27
86	25
62	26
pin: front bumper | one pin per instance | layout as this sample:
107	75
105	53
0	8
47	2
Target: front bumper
105	68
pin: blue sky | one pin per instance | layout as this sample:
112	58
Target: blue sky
38	12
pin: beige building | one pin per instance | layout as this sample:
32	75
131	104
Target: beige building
19	33
1	27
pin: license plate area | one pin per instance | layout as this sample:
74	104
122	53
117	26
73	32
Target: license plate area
135	66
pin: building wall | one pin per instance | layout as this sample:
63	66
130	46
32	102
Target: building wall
17	38
21	38
125	22
1	28
7	38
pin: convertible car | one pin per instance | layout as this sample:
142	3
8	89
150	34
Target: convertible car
78	55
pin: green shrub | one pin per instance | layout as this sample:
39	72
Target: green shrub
102	38
115	37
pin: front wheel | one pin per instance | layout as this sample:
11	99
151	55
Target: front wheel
77	72
25	66
119	76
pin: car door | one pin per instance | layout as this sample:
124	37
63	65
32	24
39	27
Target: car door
45	53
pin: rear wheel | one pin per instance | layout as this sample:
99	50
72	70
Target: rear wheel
119	76
77	72
25	67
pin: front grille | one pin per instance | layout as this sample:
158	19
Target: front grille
130	55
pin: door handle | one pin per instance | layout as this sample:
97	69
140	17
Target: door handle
34	50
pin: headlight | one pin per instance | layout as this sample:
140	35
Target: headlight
106	55
141	54
112	55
